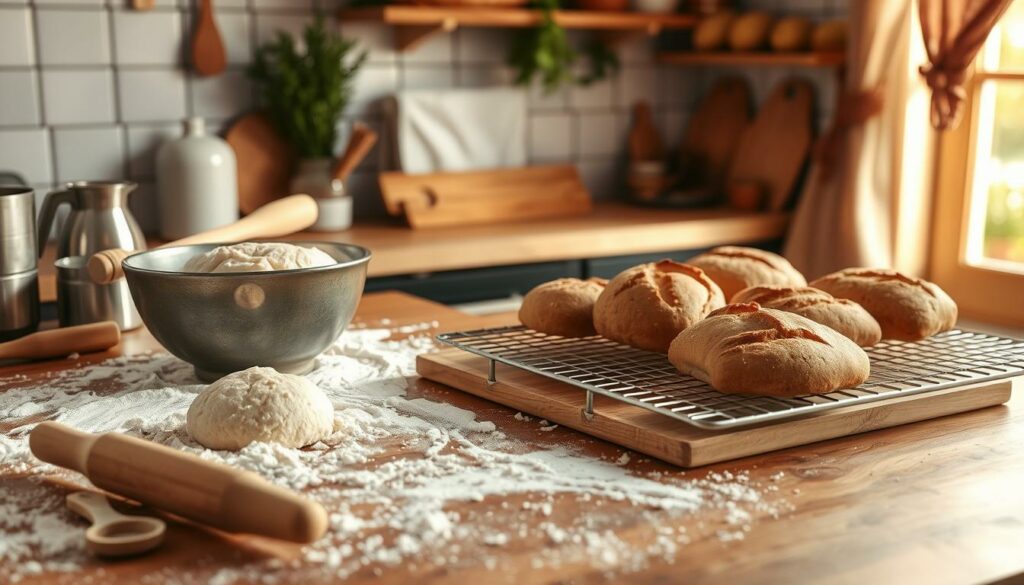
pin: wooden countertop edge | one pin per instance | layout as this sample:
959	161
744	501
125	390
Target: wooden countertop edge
613	230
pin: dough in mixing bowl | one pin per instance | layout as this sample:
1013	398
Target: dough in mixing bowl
260	404
258	257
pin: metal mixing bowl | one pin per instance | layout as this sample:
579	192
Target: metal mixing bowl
226	322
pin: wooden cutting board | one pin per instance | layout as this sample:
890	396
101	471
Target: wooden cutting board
480	197
676	442
264	160
773	149
714	131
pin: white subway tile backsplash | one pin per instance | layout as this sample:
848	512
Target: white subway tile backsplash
92	154
27	152
19	98
376	39
144	141
482	45
236	33
438	50
636	84
78	96
427	77
153	37
152	96
484	75
221	96
373	82
600	134
598	95
269	23
551	137
16	40
73	37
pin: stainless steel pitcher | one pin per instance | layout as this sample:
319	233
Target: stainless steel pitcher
19	284
99	219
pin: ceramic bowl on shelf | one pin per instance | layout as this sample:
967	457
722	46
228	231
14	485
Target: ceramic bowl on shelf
656	6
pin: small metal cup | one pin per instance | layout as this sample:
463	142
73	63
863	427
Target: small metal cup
17	230
80	300
19	298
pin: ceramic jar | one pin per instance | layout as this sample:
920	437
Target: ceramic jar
197	182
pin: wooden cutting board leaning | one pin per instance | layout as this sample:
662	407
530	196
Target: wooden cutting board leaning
265	161
713	133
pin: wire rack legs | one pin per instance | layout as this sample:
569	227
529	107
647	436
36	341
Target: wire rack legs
588	408
491	368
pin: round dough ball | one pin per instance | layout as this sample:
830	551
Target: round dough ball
713	31
258	257
791	34
562	307
750	31
829	36
260	405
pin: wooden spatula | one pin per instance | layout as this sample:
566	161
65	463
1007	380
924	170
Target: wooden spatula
359	144
208	55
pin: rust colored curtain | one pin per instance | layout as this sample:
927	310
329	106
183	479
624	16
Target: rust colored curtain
953	32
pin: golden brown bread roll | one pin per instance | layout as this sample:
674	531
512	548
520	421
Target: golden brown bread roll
745	349
734	268
906	308
829	36
712	32
792	33
648	305
750	31
843	315
562	307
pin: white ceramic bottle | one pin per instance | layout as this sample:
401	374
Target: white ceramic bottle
197	183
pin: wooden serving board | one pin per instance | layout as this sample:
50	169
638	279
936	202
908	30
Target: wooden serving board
677	442
774	147
264	161
714	130
480	197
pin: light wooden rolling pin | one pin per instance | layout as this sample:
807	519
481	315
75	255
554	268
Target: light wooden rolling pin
181	483
275	219
60	343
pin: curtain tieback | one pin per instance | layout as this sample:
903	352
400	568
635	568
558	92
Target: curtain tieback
854	109
947	85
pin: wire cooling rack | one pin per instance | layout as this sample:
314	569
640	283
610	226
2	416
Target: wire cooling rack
648	380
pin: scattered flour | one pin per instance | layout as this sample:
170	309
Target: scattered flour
384	510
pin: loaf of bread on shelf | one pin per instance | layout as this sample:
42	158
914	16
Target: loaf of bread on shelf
843	315
648	305
905	307
562	307
746	349
734	268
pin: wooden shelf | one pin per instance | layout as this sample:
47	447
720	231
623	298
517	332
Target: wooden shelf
415	24
759	59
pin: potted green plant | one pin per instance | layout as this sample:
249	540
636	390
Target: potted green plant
305	86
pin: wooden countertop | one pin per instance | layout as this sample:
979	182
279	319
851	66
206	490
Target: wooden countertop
613	229
931	502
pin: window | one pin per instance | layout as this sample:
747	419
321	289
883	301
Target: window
978	242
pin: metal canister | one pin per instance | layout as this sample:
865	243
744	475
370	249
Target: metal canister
80	300
19	281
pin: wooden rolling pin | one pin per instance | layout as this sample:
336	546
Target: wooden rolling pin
275	219
63	342
181	483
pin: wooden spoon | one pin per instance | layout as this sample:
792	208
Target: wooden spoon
208	55
112	533
359	144
63	342
275	219
143	4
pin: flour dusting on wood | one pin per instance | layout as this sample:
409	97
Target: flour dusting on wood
391	479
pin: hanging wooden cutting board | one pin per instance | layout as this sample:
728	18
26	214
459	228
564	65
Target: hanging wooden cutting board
773	149
478	197
265	161
714	131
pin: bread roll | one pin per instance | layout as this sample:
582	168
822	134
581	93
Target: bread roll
712	32
749	32
829	36
648	305
906	308
792	33
735	268
562	307
843	315
745	349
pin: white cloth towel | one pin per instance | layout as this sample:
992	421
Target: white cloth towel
461	129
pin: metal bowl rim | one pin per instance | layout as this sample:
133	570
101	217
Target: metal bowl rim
366	255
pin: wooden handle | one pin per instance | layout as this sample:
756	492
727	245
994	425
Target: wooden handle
363	139
208	55
143	4
63	342
277	218
181	483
